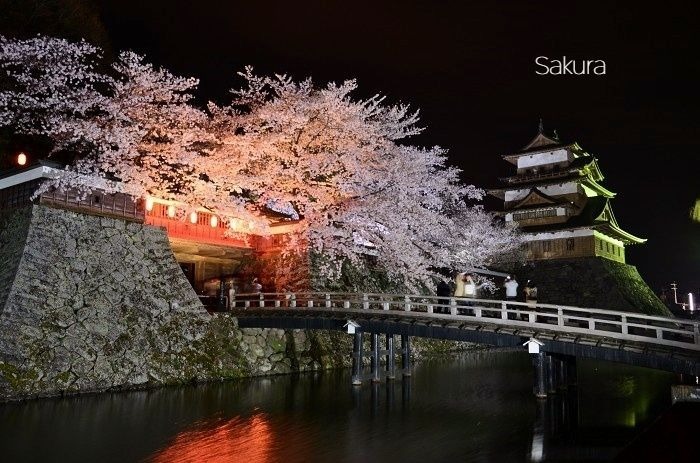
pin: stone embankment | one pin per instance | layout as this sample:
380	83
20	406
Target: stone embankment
93	304
592	282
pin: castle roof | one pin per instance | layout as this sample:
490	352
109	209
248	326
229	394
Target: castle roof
537	198
541	141
587	181
596	214
580	166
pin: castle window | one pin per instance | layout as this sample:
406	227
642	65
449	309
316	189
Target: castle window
570	244
607	247
600	244
534	214
546	246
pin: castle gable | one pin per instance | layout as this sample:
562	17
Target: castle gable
536	198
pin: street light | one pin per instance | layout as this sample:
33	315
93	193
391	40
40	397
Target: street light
21	159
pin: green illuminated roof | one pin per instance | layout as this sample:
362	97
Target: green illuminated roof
596	214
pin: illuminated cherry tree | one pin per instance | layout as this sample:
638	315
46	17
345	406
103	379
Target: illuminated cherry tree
341	165
130	121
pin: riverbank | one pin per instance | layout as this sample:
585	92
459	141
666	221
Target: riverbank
222	352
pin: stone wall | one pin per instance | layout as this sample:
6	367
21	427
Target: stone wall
12	241
592	282
93	304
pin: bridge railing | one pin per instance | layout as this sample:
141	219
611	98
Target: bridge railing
625	326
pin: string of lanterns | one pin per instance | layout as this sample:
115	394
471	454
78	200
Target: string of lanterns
234	223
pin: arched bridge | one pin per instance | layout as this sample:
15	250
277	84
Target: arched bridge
656	342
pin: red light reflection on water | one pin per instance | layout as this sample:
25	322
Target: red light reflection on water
237	439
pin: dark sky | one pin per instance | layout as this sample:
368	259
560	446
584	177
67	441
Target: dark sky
469	67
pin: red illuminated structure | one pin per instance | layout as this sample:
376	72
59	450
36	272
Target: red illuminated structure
211	249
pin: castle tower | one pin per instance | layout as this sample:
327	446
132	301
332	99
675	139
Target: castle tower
575	248
557	199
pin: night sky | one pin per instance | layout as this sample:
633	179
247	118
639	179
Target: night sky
470	69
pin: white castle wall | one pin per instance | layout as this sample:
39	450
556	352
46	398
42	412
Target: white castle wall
546	157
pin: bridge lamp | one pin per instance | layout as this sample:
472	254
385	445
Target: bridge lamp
193	217
171	211
533	346
21	159
214	221
691	302
351	326
149	203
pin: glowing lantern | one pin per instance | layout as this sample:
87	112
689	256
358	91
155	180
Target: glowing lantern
193	217
234	223
171	211
21	159
149	203
214	221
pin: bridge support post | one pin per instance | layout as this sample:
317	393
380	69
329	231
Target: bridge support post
357	359
390	362
570	367
539	362
406	354
563	373
375	357
552	374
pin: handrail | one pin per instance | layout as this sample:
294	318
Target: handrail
626	326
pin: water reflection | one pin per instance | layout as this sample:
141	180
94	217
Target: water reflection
589	422
556	418
478	407
248	439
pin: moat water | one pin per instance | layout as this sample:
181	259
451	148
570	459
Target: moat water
475	407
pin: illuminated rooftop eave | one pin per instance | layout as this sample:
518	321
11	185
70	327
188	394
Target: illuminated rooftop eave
603	228
622	235
29	174
592	169
597	187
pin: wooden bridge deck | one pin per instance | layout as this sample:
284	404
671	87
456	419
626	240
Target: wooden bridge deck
656	342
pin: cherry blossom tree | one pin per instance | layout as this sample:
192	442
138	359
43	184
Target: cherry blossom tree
130	122
341	165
